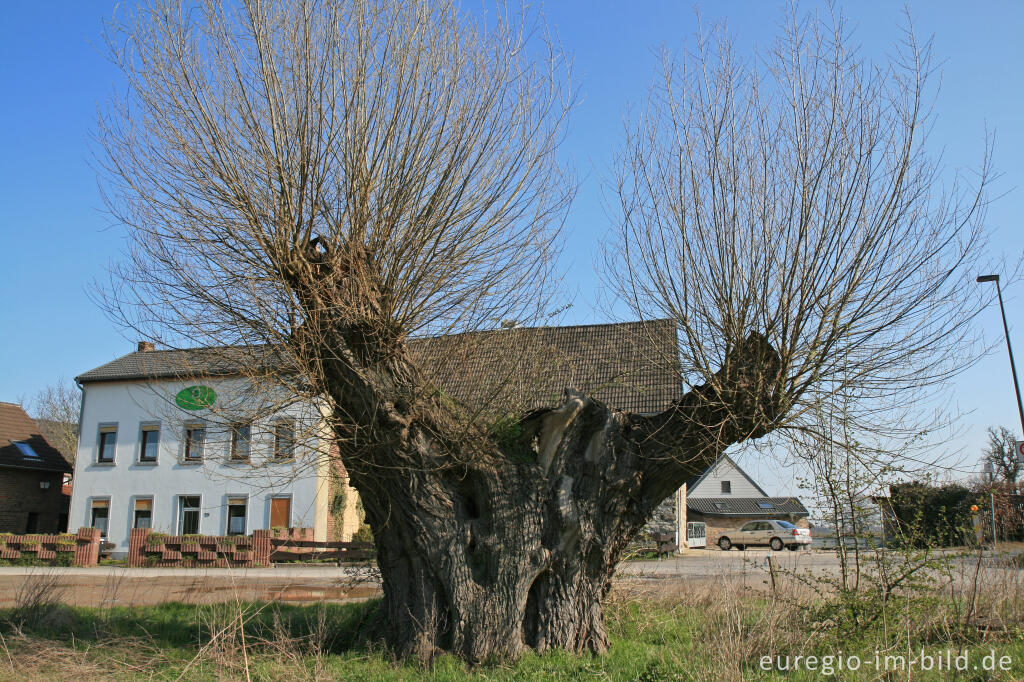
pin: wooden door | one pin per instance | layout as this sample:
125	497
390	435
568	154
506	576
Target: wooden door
280	512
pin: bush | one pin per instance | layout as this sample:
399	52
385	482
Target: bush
155	539
933	515
364	534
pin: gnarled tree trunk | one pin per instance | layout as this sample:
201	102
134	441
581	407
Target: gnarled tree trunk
488	547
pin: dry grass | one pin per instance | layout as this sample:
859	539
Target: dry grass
714	629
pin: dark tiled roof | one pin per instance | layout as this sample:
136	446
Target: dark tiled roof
17	427
631	367
746	506
168	364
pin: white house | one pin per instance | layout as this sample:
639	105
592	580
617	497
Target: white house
192	456
179	441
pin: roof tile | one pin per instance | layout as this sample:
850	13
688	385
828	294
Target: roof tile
17	427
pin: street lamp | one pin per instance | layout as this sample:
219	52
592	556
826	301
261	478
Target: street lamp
991	473
1009	349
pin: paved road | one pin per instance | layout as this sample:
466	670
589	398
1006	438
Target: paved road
110	585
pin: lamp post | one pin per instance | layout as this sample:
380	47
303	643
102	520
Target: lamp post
1009	349
991	473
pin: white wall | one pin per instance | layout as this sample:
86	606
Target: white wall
723	470
129	404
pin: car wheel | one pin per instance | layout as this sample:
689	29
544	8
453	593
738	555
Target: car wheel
724	544
794	547
740	547
776	544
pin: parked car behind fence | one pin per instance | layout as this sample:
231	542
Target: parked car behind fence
774	533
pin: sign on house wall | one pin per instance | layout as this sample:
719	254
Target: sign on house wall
195	397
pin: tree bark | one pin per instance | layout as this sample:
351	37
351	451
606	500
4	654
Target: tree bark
488	548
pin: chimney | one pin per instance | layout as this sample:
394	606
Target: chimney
146	346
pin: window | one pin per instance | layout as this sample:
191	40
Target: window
241	439
142	517
188	514
726	487
766	505
149	442
107	443
749	527
195	436
99	516
236	515
786	524
284	439
27	450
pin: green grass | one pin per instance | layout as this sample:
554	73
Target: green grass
650	640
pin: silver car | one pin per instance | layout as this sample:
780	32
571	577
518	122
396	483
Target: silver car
772	532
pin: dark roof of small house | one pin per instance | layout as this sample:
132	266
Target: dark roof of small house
630	366
746	506
17	427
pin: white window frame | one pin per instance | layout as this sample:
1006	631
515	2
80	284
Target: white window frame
235	426
152	509
102	428
148	427
227	513
278	423
180	514
90	518
186	442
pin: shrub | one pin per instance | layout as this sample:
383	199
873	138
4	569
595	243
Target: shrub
155	539
364	534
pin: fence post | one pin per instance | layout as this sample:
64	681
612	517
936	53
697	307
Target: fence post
137	546
261	547
87	547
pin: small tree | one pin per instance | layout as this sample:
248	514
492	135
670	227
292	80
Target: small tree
1000	452
58	407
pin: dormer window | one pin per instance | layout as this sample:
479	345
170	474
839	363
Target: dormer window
727	487
27	451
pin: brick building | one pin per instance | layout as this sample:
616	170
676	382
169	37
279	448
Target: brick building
31	476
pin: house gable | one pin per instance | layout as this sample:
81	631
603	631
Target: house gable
709	484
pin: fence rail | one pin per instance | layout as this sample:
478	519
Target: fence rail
310	550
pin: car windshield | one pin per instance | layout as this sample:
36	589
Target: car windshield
786	524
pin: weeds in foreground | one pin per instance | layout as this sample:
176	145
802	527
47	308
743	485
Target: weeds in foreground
660	630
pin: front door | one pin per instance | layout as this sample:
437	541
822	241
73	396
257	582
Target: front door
280	512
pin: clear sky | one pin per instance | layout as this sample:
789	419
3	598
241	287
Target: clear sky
55	239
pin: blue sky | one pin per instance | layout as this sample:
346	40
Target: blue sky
56	240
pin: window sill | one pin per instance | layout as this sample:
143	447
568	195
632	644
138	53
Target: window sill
104	464
146	463
190	462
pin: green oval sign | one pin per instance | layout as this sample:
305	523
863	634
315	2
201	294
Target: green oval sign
195	397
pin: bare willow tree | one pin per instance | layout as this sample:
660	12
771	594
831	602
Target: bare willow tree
790	198
319	181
